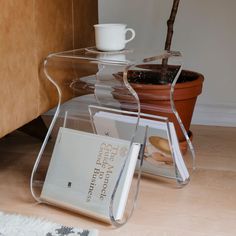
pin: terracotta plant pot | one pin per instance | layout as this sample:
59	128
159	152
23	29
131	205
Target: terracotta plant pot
155	98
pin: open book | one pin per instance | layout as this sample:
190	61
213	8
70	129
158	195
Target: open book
159	157
84	169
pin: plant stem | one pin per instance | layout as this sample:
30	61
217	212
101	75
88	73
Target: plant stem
170	31
170	24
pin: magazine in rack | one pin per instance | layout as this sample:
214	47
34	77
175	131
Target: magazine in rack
83	172
162	150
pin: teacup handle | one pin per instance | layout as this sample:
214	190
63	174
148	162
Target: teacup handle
132	36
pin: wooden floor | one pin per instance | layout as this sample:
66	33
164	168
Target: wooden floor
206	206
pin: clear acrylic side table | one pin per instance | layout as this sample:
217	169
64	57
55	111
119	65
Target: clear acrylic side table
98	83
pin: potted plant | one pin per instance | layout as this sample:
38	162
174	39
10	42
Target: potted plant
153	88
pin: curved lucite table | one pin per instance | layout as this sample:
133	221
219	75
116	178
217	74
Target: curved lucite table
100	90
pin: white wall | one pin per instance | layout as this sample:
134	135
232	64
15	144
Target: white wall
205	33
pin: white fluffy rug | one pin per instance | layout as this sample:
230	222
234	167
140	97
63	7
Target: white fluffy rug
18	225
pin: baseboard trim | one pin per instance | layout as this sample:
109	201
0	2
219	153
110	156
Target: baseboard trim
215	115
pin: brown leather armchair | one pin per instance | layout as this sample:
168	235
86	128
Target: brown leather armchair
29	31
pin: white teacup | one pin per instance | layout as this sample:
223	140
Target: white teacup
112	37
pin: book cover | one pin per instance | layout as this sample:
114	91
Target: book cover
83	170
158	159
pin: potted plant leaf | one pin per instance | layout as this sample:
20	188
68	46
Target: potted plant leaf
153	87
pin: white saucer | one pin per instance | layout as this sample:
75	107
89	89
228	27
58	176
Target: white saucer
96	51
